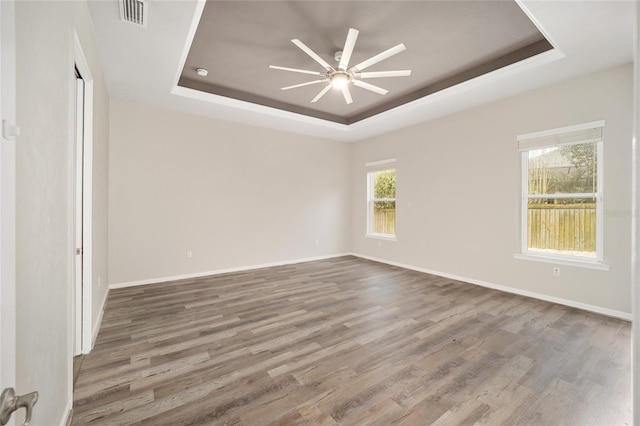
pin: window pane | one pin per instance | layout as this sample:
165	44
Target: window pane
384	217
562	226
566	169
384	184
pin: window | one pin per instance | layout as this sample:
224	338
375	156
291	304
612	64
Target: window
381	200
562	192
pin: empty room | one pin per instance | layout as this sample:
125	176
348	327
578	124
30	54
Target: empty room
319	212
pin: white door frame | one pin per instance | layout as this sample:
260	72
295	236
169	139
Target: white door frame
85	334
77	218
7	198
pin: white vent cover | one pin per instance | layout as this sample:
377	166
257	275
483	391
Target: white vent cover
134	12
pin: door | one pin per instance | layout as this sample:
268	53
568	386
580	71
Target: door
7	197
78	216
82	291
9	402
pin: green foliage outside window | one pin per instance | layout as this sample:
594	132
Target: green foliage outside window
564	170
384	187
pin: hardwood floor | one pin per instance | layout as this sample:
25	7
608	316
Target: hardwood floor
77	363
349	341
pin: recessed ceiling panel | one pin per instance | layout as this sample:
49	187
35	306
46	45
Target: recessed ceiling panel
447	42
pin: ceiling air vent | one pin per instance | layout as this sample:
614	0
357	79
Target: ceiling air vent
134	12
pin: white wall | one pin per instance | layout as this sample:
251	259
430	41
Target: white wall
100	201
458	190
234	195
44	248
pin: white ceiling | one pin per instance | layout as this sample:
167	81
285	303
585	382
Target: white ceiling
143	65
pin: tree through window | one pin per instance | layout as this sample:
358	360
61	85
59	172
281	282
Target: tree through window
382	203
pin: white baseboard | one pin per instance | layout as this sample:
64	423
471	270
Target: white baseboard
222	271
572	303
96	326
66	414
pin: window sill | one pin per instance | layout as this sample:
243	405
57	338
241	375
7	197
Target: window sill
562	261
382	237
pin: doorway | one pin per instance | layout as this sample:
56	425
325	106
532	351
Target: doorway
78	213
81	194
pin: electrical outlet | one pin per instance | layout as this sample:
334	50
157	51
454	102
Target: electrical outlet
317	242
189	254
556	271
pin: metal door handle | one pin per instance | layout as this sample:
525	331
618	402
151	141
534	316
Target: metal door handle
9	403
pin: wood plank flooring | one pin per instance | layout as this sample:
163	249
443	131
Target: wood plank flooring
349	341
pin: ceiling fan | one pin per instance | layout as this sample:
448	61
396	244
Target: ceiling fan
341	77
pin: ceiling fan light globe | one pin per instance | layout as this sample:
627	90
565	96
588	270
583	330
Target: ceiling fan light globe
339	81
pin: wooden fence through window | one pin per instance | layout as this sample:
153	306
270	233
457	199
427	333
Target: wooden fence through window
566	227
384	221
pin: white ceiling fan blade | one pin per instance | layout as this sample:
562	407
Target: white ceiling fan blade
379	57
370	87
349	44
321	94
378	74
275	67
347	95
311	53
308	83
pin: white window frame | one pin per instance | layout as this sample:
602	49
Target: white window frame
552	138
372	168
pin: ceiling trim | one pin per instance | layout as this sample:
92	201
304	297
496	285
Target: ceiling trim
259	100
381	118
251	107
456	91
485	68
437	86
537	23
195	21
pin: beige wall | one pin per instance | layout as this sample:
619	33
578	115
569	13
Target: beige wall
458	190
234	195
100	202
44	249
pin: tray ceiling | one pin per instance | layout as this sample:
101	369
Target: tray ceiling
144	65
447	43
